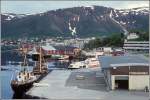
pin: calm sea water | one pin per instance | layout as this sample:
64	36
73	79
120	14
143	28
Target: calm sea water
7	54
6	91
6	77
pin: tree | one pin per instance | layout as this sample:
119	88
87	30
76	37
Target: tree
115	40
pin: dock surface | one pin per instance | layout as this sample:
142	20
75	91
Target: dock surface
64	84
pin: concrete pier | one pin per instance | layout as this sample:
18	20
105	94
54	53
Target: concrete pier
68	84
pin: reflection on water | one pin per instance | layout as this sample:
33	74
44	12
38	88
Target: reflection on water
9	54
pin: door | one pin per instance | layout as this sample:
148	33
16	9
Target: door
121	82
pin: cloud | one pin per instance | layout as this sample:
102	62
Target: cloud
131	4
42	6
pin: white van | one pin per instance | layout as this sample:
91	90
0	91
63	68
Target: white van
76	65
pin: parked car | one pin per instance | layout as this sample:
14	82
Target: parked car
76	65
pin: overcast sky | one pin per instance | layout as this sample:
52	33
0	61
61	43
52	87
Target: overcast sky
31	7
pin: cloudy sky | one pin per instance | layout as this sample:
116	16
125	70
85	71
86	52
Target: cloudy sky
31	7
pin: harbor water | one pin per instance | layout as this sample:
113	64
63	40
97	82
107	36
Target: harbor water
7	54
10	70
6	91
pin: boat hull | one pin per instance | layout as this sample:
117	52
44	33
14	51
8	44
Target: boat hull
21	88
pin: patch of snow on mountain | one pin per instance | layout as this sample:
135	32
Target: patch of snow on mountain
74	19
73	30
78	18
111	14
136	11
121	11
121	22
140	9
41	14
69	26
92	7
133	22
11	16
21	15
86	13
8	18
123	28
116	13
125	13
102	17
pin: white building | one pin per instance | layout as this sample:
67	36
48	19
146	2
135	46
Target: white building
132	36
140	46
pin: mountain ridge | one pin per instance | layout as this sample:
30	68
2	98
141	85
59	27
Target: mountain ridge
76	21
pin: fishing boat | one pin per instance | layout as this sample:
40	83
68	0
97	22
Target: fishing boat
25	78
23	82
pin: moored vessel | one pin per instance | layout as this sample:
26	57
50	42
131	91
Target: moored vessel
24	79
23	82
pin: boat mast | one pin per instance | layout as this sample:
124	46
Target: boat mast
25	57
40	59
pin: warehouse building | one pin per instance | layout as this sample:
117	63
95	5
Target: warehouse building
125	72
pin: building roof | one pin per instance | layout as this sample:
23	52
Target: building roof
136	42
135	48
127	60
48	47
34	51
64	47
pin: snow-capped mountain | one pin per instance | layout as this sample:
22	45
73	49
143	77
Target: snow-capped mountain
130	18
80	21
